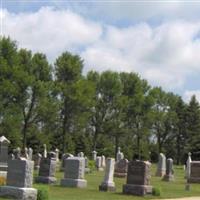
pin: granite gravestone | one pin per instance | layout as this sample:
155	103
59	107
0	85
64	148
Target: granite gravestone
121	168
4	142
188	168
19	180
120	155
37	159
103	161
74	173
108	183
47	170
138	178
161	166
30	153
94	155
169	176
64	157
195	172
98	163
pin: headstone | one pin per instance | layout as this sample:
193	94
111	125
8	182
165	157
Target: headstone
17	153
57	154
81	154
4	142
161	167
188	167
138	178
74	173
121	168
169	176
30	153
120	155
94	155
45	151
64	157
98	163
103	161
195	172
19	180
37	160
108	183
47	170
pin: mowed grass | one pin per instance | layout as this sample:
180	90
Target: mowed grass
168	189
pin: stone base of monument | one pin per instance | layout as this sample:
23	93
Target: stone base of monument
193	180
68	182
120	175
47	180
160	173
139	190
18	193
168	178
107	187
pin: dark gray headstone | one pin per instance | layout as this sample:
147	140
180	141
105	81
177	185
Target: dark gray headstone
47	171
195	172
121	168
169	176
138	178
4	143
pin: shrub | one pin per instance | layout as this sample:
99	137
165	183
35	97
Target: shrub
42	194
92	165
156	191
2	180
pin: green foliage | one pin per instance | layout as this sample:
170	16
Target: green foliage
92	165
42	194
59	106
156	191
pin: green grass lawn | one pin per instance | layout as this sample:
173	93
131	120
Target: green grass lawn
168	189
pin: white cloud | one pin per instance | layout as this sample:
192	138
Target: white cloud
189	93
50	31
165	54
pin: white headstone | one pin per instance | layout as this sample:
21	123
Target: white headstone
188	166
161	167
108	183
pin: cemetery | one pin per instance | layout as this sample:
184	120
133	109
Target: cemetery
70	180
99	100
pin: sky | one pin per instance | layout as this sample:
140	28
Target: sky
159	40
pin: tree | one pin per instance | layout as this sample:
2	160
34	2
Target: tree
193	125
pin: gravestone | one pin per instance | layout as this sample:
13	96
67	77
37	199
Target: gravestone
74	173
108	183
30	153
161	166
19	180
47	170
120	155
138	178
103	161
121	168
169	176
64	157
94	155
4	143
57	154
17	153
188	168
195	172
45	150
98	163
81	154
37	160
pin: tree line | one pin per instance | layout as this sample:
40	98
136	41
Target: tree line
59	106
